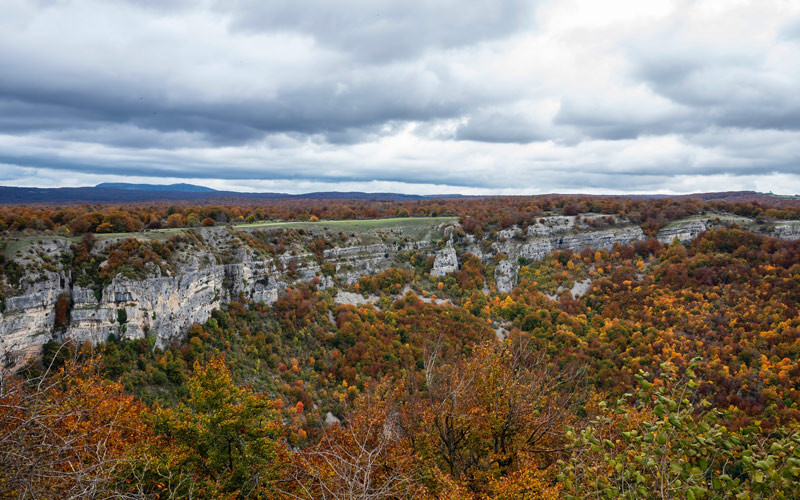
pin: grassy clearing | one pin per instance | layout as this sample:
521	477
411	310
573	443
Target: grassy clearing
323	225
353	225
150	234
24	243
369	230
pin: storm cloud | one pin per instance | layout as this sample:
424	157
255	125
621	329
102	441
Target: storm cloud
485	96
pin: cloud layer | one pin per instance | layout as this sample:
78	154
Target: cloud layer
487	96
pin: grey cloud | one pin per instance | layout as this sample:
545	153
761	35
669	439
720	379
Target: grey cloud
381	30
597	126
595	119
288	169
127	136
440	93
22	116
708	88
350	136
336	105
722	90
500	127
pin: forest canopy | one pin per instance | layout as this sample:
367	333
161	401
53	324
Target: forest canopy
674	375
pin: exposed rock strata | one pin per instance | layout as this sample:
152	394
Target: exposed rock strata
166	305
446	260
557	233
683	230
786	230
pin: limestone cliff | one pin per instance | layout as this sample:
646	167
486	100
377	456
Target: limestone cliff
165	305
601	232
224	264
557	233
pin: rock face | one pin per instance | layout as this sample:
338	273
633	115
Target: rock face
787	230
166	304
28	320
505	275
556	233
351	298
683	230
446	260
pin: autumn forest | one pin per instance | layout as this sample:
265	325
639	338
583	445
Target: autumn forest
671	374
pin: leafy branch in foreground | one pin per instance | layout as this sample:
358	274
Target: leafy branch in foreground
670	445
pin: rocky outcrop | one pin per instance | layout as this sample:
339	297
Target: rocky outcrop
28	319
505	275
163	306
605	238
167	306
555	233
786	230
688	229
446	260
683	230
353	299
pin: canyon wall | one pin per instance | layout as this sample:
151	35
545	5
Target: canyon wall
165	305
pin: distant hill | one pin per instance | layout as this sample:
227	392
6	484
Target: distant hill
122	192
180	188
16	195
126	193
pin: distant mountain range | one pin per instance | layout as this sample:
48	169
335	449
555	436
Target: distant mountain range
181	188
122	192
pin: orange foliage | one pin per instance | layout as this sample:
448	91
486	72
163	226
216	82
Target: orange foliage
69	434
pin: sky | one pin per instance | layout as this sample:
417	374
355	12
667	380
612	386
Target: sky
446	96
